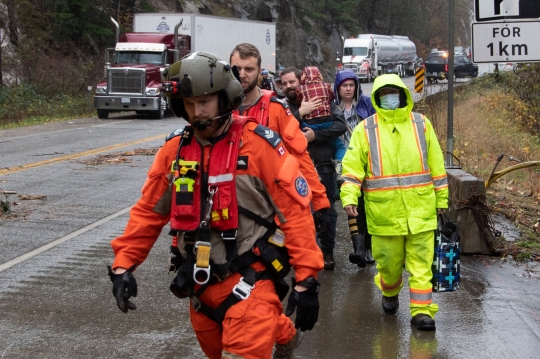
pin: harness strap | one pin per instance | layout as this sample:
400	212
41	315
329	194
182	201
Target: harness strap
249	257
250	276
256	218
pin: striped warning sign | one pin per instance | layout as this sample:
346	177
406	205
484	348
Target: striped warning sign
419	80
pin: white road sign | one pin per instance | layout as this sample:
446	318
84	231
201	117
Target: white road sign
506	41
486	10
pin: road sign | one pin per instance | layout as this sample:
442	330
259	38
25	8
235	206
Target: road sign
487	10
419	80
506	41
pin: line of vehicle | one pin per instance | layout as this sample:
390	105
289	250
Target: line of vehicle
9	170
61	240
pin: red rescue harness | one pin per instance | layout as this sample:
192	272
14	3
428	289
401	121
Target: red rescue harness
192	186
259	111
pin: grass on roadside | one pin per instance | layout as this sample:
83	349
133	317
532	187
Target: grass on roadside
23	106
488	122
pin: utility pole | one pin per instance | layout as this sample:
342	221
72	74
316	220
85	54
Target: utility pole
450	122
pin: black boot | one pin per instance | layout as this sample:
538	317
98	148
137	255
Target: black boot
423	322
358	241
329	262
390	305
286	351
369	256
358	256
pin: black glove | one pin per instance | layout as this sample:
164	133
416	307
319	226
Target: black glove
307	303
322	221
124	287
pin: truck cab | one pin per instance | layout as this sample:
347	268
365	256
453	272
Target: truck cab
358	56
133	77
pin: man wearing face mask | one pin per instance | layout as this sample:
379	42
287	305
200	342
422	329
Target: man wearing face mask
395	157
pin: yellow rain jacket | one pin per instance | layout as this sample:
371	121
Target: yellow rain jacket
396	157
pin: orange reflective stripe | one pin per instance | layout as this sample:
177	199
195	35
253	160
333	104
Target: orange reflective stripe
440	182
347	177
350	184
372	133
421	144
379	154
385	286
398	181
371	130
420	296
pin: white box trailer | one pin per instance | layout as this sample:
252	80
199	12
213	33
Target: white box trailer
214	34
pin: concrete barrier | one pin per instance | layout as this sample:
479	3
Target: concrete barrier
461	210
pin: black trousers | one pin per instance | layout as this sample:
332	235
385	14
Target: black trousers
327	174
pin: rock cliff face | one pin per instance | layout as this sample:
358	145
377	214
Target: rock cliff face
295	47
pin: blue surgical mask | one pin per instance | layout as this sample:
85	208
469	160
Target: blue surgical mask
390	101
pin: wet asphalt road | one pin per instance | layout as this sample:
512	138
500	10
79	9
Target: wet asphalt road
56	302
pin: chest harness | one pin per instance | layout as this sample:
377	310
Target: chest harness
206	200
259	111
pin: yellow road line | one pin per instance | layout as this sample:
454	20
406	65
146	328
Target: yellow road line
9	170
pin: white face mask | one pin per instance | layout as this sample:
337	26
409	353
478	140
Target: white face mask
390	101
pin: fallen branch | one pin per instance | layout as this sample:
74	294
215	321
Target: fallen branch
31	197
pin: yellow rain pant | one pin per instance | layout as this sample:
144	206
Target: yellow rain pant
416	252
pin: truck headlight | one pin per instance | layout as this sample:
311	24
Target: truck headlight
101	90
152	91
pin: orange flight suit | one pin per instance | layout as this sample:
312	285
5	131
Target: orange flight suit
251	326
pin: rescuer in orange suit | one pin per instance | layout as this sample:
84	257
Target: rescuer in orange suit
269	111
220	182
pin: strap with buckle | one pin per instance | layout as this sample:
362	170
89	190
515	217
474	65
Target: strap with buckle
242	290
201	268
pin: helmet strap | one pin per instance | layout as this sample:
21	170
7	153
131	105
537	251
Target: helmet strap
202	125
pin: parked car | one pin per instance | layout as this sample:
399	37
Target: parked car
436	66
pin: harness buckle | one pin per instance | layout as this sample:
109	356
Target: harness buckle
229	235
196	303
201	269
242	290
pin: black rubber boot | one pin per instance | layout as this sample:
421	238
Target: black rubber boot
369	256
358	256
390	305
423	322
286	351
329	263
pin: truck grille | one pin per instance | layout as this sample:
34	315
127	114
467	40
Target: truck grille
127	81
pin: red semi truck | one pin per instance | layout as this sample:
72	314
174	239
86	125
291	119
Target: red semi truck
133	68
133	77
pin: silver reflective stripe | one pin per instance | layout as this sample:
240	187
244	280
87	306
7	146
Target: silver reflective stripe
221	178
418	120
398	181
441	182
423	298
371	128
351	180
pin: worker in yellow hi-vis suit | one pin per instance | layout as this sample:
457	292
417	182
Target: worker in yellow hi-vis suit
396	158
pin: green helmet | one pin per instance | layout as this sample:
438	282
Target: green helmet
198	74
